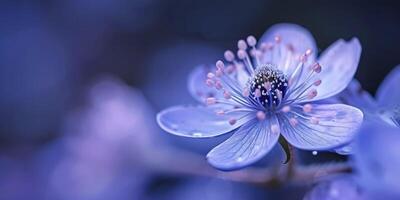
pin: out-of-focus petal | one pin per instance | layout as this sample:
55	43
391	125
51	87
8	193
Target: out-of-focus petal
295	41
339	64
388	93
345	150
377	159
246	146
325	127
199	122
354	95
197	84
336	188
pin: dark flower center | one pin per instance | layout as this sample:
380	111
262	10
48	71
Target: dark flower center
268	86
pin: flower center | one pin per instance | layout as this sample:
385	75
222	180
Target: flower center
268	86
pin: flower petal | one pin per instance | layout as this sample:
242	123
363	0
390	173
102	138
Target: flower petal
295	39
197	84
246	146
335	188
388	93
354	95
377	159
325	127
199	122
297	36
339	64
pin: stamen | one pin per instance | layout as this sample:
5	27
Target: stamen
286	109
242	45
317	82
307	108
220	65
210	75
260	115
209	83
218	85
317	68
308	52
313	93
232	121
251	40
219	73
227	95
229	56
241	54
211	101
314	120
293	121
230	69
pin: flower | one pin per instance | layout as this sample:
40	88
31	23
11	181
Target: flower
385	107
268	90
375	165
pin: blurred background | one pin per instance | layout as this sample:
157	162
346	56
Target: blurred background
82	80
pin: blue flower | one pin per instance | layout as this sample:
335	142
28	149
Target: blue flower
375	161
268	90
384	107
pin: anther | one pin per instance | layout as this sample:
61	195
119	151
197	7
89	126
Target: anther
308	52
229	56
219	73
218	85
307	108
230	69
242	45
293	121
317	67
241	54
232	121
303	58
211	101
313	93
317	82
251	40
314	120
220	65
286	109
227	95
209	83
260	115
210	75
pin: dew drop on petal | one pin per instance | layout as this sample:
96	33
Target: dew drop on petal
315	153
196	134
239	159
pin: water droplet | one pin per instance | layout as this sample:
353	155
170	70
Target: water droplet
196	134
315	153
239	159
